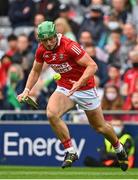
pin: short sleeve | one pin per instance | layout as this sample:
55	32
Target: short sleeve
39	55
75	51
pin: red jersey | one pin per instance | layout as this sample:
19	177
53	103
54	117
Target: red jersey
131	78
63	59
3	77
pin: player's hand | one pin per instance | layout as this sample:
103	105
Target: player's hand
75	87
21	97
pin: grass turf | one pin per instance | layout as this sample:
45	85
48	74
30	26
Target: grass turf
28	172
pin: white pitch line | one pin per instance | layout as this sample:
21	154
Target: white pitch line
63	179
70	173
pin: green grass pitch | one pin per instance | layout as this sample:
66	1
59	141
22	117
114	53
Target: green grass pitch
29	172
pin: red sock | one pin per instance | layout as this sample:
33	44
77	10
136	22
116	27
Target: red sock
67	143
116	145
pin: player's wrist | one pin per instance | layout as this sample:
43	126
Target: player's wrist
27	90
82	83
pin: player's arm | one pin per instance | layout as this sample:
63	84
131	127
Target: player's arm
78	54
32	79
91	68
34	75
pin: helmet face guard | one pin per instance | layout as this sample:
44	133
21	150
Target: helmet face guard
46	30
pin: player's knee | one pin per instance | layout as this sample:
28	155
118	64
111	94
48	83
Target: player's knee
51	115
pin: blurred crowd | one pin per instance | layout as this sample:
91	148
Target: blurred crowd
106	29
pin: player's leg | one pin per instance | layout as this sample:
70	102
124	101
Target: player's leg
97	121
59	104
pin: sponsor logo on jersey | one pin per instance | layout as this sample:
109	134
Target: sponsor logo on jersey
61	56
61	68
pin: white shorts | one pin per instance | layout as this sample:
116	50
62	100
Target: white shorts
86	99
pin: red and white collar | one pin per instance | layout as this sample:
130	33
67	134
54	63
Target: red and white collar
59	36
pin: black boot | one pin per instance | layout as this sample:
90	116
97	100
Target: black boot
123	160
69	159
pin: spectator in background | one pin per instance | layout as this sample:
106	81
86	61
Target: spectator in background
21	13
112	99
23	56
126	139
102	67
114	76
12	43
130	79
106	8
113	47
2	76
64	12
6	62
63	27
132	105
111	21
38	18
51	10
107	154
111	25
86	39
96	2
14	86
94	23
130	35
120	10
130	87
3	104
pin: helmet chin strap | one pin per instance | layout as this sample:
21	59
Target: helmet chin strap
56	41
